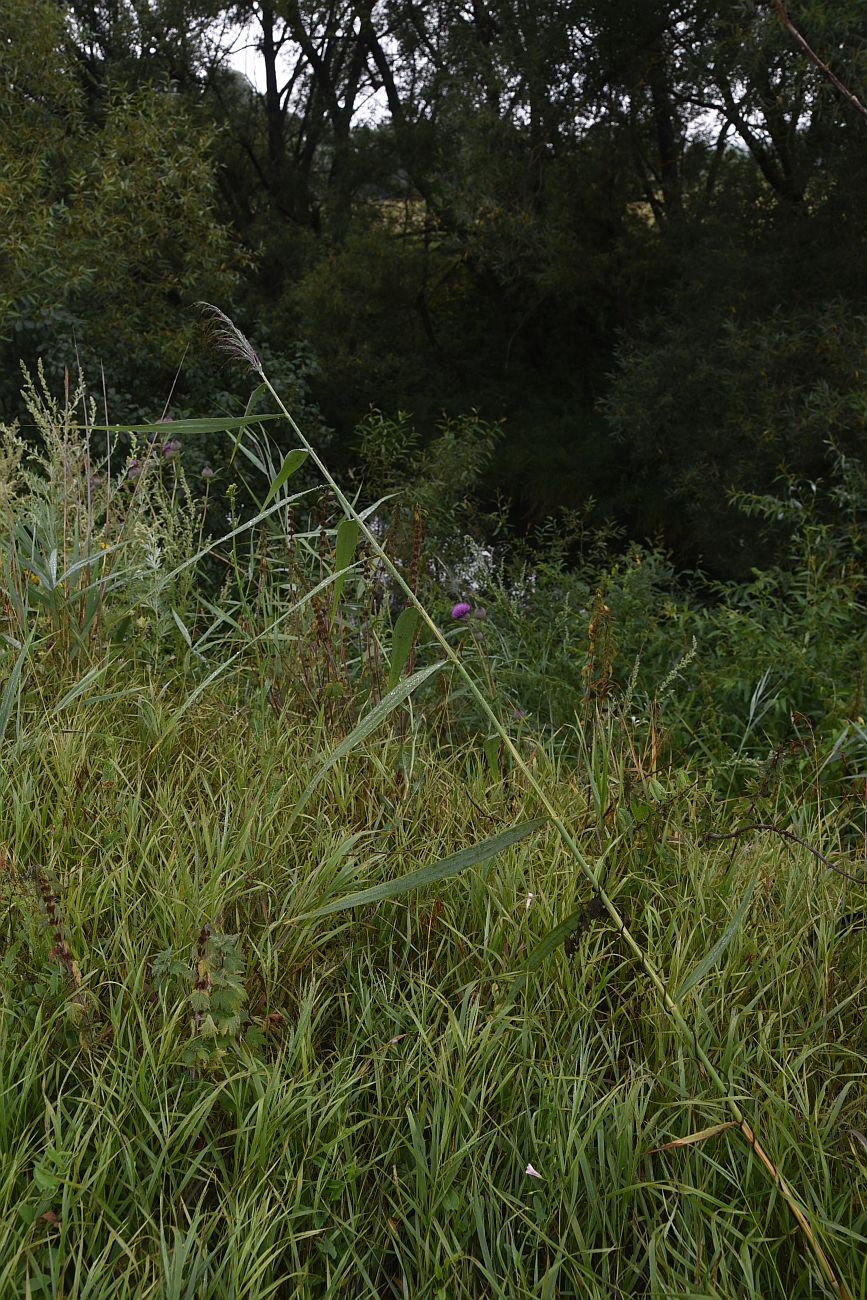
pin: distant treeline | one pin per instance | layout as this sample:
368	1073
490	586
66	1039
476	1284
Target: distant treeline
634	233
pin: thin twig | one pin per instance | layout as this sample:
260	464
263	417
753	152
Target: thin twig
787	835
813	56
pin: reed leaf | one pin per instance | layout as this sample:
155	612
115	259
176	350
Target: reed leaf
434	871
367	725
345	547
402	639
10	690
291	464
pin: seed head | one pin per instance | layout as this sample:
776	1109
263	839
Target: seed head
225	337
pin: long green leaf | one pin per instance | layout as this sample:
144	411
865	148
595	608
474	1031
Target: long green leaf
450	866
344	549
186	426
293	461
553	940
182	628
10	690
368	724
82	685
251	402
712	957
401	643
556	937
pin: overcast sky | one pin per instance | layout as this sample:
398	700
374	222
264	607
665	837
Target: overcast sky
246	58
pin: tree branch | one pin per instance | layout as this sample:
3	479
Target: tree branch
814	58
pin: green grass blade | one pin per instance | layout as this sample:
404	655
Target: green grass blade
251	402
434	871
401	643
10	690
344	549
186	426
713	955
82	685
368	724
553	940
293	461
556	937
182	628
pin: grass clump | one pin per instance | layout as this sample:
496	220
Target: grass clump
240	1057
361	1119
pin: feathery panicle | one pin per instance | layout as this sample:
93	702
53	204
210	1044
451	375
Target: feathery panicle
227	338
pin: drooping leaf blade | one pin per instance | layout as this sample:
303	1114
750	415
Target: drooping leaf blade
236	443
402	638
344	549
83	684
291	463
366	726
182	628
10	690
187	427
553	940
558	935
434	871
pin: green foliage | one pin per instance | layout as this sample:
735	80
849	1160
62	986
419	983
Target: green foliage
388	1079
379	1090
735	671
437	481
109	231
703	406
580	221
90	534
212	979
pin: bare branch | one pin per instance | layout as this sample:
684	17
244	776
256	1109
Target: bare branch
813	56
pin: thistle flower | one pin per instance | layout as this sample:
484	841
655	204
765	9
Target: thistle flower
207	473
171	448
461	609
133	469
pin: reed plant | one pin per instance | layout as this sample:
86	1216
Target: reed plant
305	990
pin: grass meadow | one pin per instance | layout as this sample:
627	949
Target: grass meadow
327	972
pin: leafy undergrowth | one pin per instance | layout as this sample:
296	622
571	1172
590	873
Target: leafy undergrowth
205	1091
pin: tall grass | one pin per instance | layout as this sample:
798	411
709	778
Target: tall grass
366	1125
298	999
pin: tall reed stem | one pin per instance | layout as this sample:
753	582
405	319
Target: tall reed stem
242	348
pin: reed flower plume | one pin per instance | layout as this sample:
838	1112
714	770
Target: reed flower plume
227	339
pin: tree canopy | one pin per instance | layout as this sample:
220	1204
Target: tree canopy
632	232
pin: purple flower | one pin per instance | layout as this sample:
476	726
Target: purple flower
171	448
207	472
461	609
133	469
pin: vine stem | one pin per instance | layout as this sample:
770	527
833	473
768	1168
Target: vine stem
671	1006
